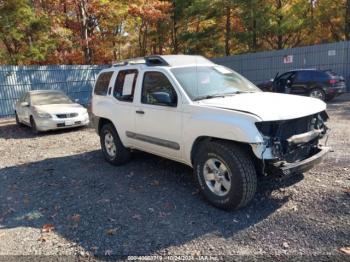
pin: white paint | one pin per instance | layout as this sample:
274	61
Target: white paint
128	83
288	59
332	52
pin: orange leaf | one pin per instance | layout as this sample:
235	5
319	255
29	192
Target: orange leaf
47	228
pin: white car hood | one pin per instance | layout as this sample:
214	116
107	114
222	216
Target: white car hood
60	108
269	106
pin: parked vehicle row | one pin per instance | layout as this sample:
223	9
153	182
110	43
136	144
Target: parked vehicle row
207	116
321	84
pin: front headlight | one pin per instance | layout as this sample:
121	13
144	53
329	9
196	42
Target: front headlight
41	114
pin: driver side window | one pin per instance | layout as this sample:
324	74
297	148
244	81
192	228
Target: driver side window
157	90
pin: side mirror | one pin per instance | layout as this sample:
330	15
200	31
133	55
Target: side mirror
24	104
76	100
163	98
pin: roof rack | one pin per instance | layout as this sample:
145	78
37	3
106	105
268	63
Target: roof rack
148	60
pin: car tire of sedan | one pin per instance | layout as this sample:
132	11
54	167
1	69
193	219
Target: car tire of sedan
225	174
33	126
317	93
112	148
17	120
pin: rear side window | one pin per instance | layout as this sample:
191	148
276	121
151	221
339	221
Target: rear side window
124	87
102	84
320	76
304	76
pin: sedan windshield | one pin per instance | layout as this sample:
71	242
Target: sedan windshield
48	98
203	82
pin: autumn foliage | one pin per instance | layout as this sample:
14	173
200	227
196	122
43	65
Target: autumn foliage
102	31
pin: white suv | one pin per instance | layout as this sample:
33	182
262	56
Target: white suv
207	116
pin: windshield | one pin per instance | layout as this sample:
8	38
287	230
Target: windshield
210	81
50	98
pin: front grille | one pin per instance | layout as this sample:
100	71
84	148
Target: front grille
295	126
69	115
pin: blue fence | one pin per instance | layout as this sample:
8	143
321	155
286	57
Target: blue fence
262	66
75	81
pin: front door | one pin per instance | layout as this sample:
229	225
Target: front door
158	116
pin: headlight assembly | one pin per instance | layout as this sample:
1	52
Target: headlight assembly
42	114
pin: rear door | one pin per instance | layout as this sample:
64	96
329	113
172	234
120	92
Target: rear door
302	82
158	114
122	108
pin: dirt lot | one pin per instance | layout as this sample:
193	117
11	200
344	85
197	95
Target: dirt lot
58	196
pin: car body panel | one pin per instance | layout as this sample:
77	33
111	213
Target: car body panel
172	132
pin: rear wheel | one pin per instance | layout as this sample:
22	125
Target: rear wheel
330	98
112	148
226	175
318	93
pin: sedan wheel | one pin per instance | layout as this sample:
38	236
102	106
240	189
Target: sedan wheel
33	125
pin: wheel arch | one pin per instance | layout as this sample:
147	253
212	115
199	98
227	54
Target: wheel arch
207	139
101	122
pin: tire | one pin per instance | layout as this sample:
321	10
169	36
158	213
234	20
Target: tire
110	142
33	126
317	93
240	174
17	120
330	98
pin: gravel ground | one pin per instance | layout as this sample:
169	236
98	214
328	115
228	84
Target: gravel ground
59	197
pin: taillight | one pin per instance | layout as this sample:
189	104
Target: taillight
333	81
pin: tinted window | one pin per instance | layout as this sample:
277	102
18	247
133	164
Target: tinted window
156	86
304	76
102	83
320	76
285	76
125	85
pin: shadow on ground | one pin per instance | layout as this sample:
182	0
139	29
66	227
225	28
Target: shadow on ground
10	130
151	203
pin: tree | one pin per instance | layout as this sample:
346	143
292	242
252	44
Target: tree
24	34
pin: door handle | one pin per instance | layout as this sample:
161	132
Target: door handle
140	112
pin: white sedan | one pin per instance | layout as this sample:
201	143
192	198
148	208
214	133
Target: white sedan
44	110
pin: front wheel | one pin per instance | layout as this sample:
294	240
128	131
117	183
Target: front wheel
17	120
33	126
112	148
226	175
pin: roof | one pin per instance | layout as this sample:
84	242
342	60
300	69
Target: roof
167	60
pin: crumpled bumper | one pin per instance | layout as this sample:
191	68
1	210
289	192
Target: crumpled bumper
285	168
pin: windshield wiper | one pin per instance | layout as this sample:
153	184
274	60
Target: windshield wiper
208	97
221	95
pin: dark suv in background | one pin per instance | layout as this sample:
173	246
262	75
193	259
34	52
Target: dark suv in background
322	84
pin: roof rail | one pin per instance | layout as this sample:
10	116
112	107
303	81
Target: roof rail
153	60
133	61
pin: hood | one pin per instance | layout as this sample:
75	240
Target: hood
60	108
269	106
